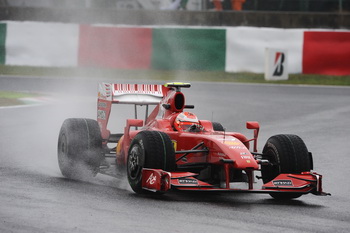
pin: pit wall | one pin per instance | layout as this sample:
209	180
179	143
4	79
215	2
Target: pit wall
230	49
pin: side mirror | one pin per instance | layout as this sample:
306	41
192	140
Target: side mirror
254	125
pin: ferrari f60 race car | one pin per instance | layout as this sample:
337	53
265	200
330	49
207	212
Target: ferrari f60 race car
172	149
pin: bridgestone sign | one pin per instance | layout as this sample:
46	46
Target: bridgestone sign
276	64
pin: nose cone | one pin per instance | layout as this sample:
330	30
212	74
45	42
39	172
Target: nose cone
235	150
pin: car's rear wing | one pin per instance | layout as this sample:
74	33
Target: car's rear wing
139	94
136	94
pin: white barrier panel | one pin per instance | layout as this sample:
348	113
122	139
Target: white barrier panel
245	48
41	44
276	64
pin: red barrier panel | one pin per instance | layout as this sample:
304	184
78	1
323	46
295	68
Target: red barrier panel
111	47
326	53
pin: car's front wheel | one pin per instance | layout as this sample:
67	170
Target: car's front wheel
149	149
288	154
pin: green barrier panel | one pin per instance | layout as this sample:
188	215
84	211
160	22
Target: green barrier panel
2	43
188	49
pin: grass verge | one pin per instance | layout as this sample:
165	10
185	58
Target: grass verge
9	98
208	76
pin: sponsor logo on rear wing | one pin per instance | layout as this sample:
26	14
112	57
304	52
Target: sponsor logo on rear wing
143	89
131	93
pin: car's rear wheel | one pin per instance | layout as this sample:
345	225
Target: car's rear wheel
79	148
288	154
149	149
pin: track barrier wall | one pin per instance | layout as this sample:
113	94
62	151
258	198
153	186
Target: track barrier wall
230	49
2	42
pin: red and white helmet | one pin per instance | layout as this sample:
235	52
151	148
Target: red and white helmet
185	120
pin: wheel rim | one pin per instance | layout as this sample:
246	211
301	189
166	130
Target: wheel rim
135	162
270	172
63	149
64	162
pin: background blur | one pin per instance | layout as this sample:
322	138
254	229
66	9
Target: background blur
256	5
216	35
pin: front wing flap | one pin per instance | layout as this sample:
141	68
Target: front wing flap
161	181
306	182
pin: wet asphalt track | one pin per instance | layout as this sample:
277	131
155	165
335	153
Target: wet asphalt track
34	197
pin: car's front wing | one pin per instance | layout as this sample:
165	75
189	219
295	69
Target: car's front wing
159	180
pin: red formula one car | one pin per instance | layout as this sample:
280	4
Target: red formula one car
172	149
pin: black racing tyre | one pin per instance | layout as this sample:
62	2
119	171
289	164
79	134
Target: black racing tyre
79	148
149	149
217	126
288	154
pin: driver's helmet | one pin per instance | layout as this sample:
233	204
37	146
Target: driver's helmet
185	120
